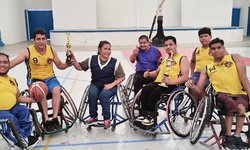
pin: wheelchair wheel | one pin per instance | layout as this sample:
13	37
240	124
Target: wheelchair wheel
83	105
67	113
126	102
36	126
201	117
17	136
129	88
135	106
180	108
68	109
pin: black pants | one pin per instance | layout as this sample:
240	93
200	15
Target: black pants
139	81
151	94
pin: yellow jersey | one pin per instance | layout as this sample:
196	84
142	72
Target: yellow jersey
224	76
8	91
174	72
202	58
40	66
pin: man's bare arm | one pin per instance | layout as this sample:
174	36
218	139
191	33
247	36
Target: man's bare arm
58	62
24	54
241	68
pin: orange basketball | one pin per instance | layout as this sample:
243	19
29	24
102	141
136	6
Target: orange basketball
38	90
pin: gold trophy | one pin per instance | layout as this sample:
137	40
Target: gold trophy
68	52
168	67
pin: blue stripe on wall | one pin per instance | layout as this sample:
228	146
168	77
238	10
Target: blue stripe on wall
141	30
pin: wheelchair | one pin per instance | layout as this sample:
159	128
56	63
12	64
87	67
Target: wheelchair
127	94
67	114
208	114
172	113
116	118
7	125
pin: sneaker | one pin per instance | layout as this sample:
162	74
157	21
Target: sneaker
140	118
56	124
239	143
148	121
91	120
229	142
106	123
48	126
33	141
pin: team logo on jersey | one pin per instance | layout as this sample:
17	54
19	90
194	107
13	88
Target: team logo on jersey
12	82
228	63
49	60
35	60
212	69
173	63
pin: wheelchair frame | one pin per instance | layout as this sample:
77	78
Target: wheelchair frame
125	94
67	114
208	114
19	139
175	99
116	118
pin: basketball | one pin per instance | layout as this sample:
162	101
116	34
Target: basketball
38	90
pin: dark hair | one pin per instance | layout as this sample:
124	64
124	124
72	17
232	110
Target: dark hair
216	40
170	37
101	43
204	30
143	37
39	31
7	56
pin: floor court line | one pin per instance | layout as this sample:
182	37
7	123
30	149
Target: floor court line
66	76
118	142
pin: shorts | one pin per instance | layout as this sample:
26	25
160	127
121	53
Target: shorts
196	76
229	104
50	82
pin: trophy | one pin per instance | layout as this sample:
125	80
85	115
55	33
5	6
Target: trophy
168	67
68	52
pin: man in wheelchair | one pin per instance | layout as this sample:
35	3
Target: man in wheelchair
147	57
172	72
227	75
39	59
10	109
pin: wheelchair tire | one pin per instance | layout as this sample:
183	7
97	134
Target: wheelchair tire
134	105
37	128
129	88
83	105
19	139
201	117
180	105
126	102
68	109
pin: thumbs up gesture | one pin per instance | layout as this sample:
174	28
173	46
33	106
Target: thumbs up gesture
136	50
146	74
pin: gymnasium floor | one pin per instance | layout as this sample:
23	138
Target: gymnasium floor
124	137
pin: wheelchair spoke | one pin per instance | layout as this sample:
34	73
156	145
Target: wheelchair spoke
180	106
